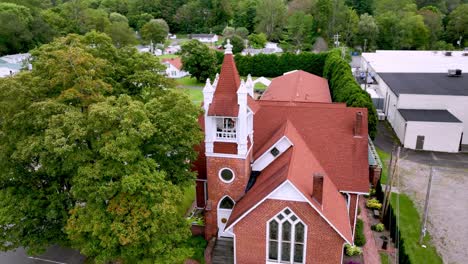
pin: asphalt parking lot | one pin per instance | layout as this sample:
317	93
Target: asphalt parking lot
53	255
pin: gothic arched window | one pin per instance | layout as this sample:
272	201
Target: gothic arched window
286	236
226	203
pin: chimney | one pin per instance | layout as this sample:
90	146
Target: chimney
317	188
358	124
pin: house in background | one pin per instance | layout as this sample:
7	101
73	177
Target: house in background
174	68
204	38
270	48
423	95
279	178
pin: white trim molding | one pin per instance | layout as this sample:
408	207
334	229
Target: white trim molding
267	157
221	176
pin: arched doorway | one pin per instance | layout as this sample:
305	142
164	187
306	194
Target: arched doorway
224	211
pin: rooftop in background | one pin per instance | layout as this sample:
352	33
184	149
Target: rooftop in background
11	63
426	83
201	35
176	62
424	115
301	87
416	61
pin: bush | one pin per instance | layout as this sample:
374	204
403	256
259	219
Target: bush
353	250
378	227
373	204
359	238
372	192
198	245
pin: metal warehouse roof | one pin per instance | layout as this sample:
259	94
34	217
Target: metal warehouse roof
426	83
425	115
416	61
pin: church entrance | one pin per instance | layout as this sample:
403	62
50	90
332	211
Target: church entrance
224	211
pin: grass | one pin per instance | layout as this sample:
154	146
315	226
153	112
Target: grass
189	81
384	259
260	86
195	95
189	197
168	56
410	228
385	158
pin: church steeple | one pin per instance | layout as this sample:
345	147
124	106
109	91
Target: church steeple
226	109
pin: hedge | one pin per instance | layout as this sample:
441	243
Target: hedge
344	88
359	237
273	65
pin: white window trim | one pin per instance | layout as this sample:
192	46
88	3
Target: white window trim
222	198
293	233
221	178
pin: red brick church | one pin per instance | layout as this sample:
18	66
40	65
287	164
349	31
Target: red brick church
281	175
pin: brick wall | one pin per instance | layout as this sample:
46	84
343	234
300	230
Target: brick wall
217	188
324	245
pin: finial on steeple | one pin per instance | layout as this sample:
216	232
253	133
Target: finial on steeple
228	47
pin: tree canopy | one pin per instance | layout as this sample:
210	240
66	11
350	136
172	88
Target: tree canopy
199	60
93	153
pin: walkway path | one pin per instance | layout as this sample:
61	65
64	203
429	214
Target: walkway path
370	252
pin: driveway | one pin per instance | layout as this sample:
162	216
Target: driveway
448	206
54	255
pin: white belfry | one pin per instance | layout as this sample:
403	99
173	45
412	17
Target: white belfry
242	127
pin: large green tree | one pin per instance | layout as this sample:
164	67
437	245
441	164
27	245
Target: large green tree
155	31
199	60
93	153
457	25
300	29
271	18
367	32
15	33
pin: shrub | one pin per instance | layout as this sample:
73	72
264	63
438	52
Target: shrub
198	245
353	250
373	204
372	192
378	227
359	238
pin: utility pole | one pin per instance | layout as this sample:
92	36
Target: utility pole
336	39
459	42
426	207
392	177
389	170
365	44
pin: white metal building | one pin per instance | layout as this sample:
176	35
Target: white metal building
427	108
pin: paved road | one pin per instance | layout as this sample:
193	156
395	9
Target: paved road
54	255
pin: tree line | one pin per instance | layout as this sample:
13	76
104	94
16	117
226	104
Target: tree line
369	24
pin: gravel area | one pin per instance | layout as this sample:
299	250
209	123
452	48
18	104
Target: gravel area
448	206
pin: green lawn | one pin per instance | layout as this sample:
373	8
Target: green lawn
168	56
189	197
410	228
260	86
195	95
384	259
385	158
189	81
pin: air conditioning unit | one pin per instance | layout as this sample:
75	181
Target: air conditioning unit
454	72
448	53
380	114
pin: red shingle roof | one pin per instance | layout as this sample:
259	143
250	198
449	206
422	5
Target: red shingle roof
225	96
298	86
327	130
176	62
297	165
